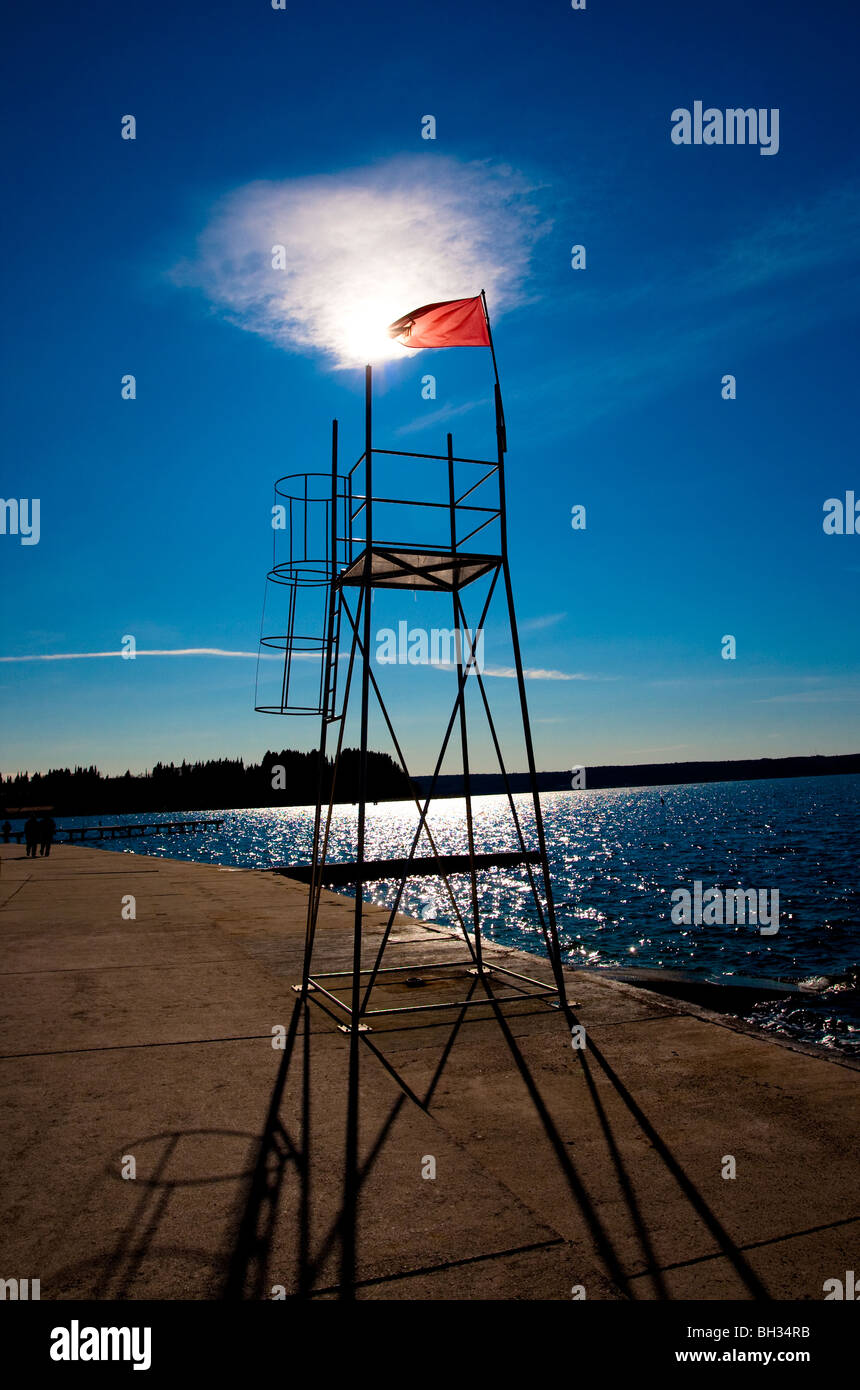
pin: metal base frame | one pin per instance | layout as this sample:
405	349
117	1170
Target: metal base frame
539	992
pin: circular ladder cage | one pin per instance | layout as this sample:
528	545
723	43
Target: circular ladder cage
297	662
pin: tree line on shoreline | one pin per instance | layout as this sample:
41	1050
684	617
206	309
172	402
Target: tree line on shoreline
287	778
290	778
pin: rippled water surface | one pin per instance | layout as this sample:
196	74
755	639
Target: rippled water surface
616	856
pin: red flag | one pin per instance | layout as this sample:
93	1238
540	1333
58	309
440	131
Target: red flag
454	323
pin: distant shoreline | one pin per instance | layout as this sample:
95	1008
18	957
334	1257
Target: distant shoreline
450	785
615	775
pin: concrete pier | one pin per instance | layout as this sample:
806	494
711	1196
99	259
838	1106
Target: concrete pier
494	1160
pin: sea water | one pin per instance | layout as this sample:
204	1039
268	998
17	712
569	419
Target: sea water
616	857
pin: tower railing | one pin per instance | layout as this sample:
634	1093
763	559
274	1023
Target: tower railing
448	512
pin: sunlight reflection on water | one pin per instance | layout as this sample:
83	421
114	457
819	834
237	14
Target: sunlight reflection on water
615	858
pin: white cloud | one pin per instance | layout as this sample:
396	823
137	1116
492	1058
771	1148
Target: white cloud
683	318
169	651
538	624
810	697
363	247
537	673
440	416
793	243
506	672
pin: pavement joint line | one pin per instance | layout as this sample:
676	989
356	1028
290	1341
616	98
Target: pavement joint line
441	1268
127	1047
626	1022
21	885
101	969
753	1245
89	873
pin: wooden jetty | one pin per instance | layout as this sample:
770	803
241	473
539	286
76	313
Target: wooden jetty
78	833
375	869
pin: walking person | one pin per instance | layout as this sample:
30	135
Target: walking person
7	831
47	831
31	835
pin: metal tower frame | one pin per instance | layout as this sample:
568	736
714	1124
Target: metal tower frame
363	563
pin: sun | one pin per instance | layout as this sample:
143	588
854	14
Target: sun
364	331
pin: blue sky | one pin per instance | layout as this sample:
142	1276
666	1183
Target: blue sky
704	516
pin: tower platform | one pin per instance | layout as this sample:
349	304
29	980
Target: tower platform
417	569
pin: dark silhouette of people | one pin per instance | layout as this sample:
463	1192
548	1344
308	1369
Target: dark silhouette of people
7	831
31	835
47	830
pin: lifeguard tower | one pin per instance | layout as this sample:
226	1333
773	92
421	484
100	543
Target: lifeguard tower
439	527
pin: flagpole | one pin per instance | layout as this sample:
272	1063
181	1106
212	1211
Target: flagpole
501	432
